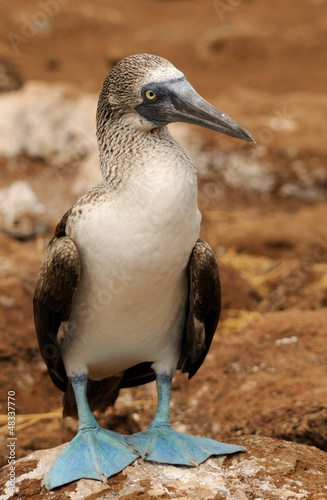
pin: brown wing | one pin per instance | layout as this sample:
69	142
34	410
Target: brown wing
203	307
54	292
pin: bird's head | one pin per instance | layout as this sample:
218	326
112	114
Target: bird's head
147	92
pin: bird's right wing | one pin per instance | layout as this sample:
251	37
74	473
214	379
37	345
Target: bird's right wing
54	292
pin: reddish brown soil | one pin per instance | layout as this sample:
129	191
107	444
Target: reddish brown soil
260	62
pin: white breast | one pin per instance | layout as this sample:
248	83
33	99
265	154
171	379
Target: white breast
135	246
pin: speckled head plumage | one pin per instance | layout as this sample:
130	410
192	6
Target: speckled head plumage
129	75
121	90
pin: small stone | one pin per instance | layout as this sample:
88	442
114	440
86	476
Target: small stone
21	214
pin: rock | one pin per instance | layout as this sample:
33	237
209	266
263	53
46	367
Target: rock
52	122
21	214
271	469
302	422
227	168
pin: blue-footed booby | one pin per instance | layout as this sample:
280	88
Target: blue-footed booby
127	292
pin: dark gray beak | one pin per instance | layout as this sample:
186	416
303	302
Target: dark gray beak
177	101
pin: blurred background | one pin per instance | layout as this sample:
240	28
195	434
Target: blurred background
264	206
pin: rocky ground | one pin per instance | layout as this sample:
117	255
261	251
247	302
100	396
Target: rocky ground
264	206
271	469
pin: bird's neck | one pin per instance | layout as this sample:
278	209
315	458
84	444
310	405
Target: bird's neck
126	151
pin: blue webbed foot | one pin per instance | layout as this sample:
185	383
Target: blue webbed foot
94	454
165	445
161	443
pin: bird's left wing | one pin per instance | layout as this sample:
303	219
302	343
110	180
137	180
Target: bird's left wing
54	292
203	307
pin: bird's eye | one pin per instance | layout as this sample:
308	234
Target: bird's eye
150	95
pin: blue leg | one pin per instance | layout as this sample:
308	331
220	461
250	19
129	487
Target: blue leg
94	453
161	443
